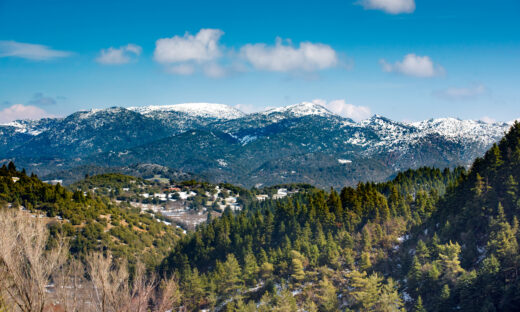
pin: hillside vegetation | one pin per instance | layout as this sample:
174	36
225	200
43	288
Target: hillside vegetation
94	223
428	240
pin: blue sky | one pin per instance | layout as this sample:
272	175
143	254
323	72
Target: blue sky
404	59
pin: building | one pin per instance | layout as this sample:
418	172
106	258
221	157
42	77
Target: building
261	197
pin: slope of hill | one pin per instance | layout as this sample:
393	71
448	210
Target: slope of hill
428	240
205	110
91	222
376	247
479	221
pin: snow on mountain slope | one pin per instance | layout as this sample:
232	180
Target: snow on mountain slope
32	127
456	129
205	110
368	137
300	110
378	132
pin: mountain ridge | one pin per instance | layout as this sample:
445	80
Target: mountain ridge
281	145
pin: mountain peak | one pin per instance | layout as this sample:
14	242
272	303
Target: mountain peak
301	109
456	128
208	110
378	117
84	114
378	120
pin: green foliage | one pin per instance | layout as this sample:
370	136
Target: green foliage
448	238
91	222
477	269
369	293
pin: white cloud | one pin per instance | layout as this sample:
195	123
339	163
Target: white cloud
189	54
202	53
389	6
342	108
36	52
414	65
457	94
118	56
20	111
284	58
202	47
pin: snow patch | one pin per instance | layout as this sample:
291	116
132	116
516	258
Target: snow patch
248	139
300	110
207	110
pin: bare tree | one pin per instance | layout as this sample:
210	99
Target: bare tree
71	287
143	289
112	290
35	277
110	283
168	295
26	264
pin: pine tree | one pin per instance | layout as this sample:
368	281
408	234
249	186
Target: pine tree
479	187
502	239
449	261
266	303
445	292
418	307
365	263
327	296
193	289
266	270
364	291
297	272
495	158
285	302
228	276
422	252
366	239
334	203
250	269
389	299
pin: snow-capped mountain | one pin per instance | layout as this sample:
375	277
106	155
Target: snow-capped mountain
32	127
182	117
298	143
456	129
394	135
93	131
205	110
300	110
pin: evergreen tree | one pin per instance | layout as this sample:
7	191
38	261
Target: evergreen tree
228	276
250	269
327	296
418	307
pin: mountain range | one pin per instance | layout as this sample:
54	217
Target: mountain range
298	143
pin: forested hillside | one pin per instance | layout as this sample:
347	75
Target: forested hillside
374	247
311	250
428	240
478	269
94	223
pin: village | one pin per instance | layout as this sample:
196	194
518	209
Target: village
183	207
183	204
